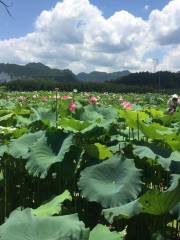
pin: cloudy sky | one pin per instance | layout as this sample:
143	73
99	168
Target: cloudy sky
88	35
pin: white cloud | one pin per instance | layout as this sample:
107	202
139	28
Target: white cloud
75	35
165	25
172	59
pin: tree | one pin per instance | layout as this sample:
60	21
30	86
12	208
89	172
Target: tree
6	6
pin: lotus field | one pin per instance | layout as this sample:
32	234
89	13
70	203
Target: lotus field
88	166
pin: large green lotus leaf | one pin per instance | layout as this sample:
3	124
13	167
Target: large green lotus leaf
175	179
133	117
41	114
7	104
112	183
176	211
98	151
18	132
94	130
136	107
158	148
4	112
175	143
118	147
20	147
157	131
3	149
101	232
125	211
73	125
158	236
169	119
23	121
22	225
97	113
6	117
42	155
55	138
1	176
86	128
158	203
54	206
173	161
89	113
156	114
7	131
144	152
19	110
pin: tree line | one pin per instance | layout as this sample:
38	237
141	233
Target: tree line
158	80
135	82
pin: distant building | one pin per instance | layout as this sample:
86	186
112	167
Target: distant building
4	77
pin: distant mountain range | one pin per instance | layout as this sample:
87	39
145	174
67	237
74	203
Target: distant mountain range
34	71
9	72
101	76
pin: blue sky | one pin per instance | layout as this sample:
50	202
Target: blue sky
88	35
25	12
136	7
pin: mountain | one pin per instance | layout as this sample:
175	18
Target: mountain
101	76
36	71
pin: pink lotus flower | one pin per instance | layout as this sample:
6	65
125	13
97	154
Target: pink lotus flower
72	106
126	105
66	97
93	100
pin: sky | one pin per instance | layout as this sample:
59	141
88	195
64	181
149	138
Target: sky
88	35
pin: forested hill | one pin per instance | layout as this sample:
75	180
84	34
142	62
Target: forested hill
101	76
158	80
36	71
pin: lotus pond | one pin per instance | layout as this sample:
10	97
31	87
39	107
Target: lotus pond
88	166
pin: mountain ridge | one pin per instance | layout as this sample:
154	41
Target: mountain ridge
36	71
97	76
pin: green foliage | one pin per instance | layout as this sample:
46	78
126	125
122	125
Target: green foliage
159	203
125	211
102	232
117	170
24	225
42	156
98	151
53	207
20	147
111	183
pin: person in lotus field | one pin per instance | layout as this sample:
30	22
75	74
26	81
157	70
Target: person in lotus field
173	102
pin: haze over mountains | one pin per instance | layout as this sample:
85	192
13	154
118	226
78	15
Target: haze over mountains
10	72
101	76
